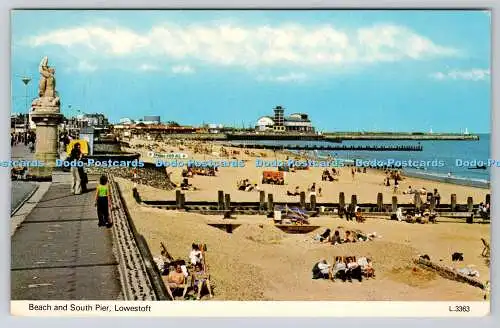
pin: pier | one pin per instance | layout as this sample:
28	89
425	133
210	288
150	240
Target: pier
333	147
397	136
280	136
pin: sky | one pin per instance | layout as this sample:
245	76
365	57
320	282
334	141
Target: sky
350	70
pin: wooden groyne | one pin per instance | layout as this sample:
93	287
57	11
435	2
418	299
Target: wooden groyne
267	204
333	148
449	273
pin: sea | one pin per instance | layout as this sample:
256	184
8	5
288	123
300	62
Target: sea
458	161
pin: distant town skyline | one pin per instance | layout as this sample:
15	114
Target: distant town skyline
349	70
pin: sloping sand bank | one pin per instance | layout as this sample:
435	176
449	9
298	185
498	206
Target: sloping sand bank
260	262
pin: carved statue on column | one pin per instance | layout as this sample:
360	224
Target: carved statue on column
47	94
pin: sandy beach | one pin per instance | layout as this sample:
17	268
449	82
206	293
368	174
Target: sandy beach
364	185
260	262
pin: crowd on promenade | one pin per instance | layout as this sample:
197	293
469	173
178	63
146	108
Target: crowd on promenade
26	138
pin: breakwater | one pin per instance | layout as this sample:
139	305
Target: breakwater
333	147
397	136
280	136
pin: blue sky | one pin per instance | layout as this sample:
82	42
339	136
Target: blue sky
349	70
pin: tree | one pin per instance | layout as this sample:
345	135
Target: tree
172	123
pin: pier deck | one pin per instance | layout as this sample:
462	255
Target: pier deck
333	147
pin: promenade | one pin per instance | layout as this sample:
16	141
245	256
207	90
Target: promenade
58	252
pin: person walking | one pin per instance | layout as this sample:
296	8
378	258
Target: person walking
76	182
103	202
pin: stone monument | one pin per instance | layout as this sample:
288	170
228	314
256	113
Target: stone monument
45	113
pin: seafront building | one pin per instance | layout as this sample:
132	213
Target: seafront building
147	120
296	122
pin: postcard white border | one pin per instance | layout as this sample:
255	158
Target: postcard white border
240	309
459	321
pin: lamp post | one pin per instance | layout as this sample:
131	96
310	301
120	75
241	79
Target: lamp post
75	110
26	80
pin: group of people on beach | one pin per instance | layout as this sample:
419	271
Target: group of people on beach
355	170
393	175
483	210
351	212
345	268
245	185
192	171
311	191
179	272
423	192
350	236
415	216
327	176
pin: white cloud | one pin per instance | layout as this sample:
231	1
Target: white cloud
148	67
475	74
226	44
84	66
182	69
290	77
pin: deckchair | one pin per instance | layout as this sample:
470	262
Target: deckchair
486	249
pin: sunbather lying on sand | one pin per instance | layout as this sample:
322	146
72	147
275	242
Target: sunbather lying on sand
324	237
335	240
294	193
348	237
245	185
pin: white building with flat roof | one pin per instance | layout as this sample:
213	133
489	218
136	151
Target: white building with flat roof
296	122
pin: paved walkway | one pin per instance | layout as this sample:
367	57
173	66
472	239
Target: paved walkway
20	151
59	253
19	192
21	189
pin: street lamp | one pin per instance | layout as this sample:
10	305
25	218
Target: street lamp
26	80
75	110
